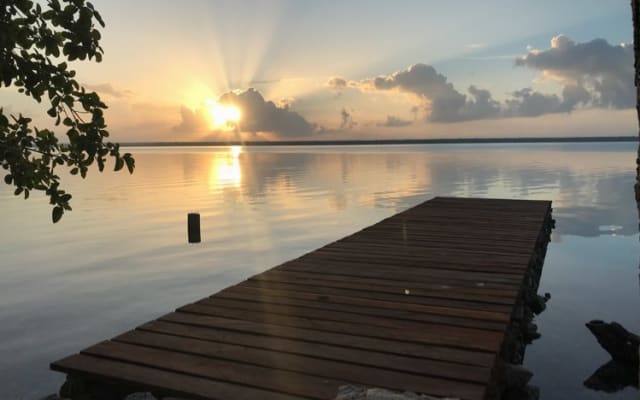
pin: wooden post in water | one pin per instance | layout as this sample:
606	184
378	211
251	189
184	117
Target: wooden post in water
193	227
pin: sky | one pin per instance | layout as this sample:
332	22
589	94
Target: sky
330	70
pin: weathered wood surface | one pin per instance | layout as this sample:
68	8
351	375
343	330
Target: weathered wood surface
419	301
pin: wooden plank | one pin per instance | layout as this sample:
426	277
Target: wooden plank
160	379
348	249
430	261
319	367
404	348
396	298
220	370
319	314
394	283
414	365
445	335
393	312
414	290
293	383
337	261
387	271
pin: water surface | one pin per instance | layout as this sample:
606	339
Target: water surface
121	257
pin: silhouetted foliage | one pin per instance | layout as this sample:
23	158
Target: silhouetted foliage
35	44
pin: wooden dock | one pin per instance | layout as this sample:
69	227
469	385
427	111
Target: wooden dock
420	302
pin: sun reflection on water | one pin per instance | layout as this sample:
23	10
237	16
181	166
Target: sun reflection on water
225	171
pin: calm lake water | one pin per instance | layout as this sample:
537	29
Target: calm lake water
121	257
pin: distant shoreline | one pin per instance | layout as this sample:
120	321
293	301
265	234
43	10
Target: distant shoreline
582	139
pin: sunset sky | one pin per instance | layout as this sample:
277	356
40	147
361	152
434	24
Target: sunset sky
302	69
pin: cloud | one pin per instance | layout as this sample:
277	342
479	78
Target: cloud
346	120
337	83
446	104
394	122
529	103
259	115
192	121
108	90
594	73
415	110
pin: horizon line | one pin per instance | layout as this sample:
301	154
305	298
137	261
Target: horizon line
352	142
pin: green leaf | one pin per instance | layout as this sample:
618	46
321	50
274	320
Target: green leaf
119	164
99	18
131	163
56	214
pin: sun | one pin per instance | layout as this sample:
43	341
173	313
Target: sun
223	116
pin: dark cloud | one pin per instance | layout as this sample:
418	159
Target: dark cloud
480	105
594	73
529	103
394	122
337	83
346	120
415	110
257	115
108	90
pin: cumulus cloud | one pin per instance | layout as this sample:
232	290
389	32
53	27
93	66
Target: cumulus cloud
594	73
258	116
529	103
446	104
394	122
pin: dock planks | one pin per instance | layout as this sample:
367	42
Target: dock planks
419	301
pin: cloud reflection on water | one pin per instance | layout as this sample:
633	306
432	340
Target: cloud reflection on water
590	189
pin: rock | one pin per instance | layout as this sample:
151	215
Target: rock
531	332
140	396
516	376
537	304
354	392
621	344
612	377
